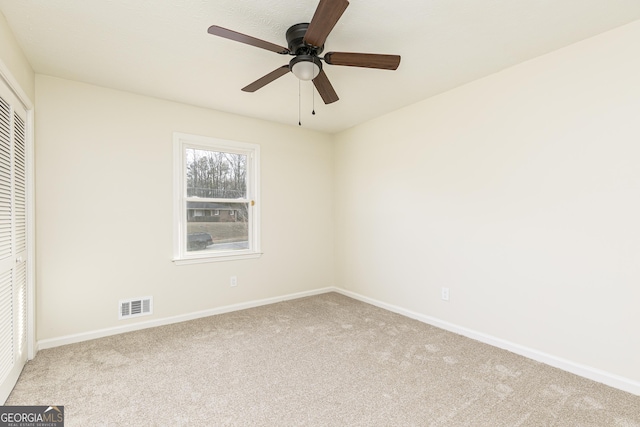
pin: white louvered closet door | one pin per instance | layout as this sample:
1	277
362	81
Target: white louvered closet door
13	247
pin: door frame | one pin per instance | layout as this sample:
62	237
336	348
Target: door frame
14	86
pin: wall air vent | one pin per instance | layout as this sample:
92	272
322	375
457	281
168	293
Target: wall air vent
135	307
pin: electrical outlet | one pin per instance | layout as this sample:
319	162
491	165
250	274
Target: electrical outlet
444	294
234	281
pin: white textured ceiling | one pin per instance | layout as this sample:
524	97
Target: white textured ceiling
161	48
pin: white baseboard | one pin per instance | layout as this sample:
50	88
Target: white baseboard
588	372
101	333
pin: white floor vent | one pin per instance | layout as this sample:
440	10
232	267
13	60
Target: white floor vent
135	307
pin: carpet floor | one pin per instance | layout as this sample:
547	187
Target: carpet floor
326	360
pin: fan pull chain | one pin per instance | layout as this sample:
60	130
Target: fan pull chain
313	95
299	106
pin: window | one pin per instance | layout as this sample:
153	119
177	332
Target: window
216	213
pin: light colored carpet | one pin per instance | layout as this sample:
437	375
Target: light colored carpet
326	360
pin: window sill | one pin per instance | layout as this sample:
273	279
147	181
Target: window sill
215	258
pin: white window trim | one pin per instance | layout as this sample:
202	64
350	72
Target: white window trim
184	140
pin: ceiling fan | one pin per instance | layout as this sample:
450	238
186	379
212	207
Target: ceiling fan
306	43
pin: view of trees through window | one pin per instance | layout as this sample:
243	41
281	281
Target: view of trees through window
217	206
215	174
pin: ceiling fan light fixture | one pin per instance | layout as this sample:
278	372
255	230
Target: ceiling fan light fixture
305	67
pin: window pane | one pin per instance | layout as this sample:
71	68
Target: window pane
217	226
216	174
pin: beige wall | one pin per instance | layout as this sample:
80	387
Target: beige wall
520	192
13	58
104	209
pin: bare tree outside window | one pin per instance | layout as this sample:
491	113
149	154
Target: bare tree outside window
214	174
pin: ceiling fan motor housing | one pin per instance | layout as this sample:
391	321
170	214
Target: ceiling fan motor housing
295	40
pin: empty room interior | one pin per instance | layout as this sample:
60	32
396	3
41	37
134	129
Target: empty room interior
443	230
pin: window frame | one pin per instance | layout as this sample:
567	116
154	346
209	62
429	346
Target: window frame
183	141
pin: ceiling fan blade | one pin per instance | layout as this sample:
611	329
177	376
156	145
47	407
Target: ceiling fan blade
324	19
243	38
325	89
263	81
367	60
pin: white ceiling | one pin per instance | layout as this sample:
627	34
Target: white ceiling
161	48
